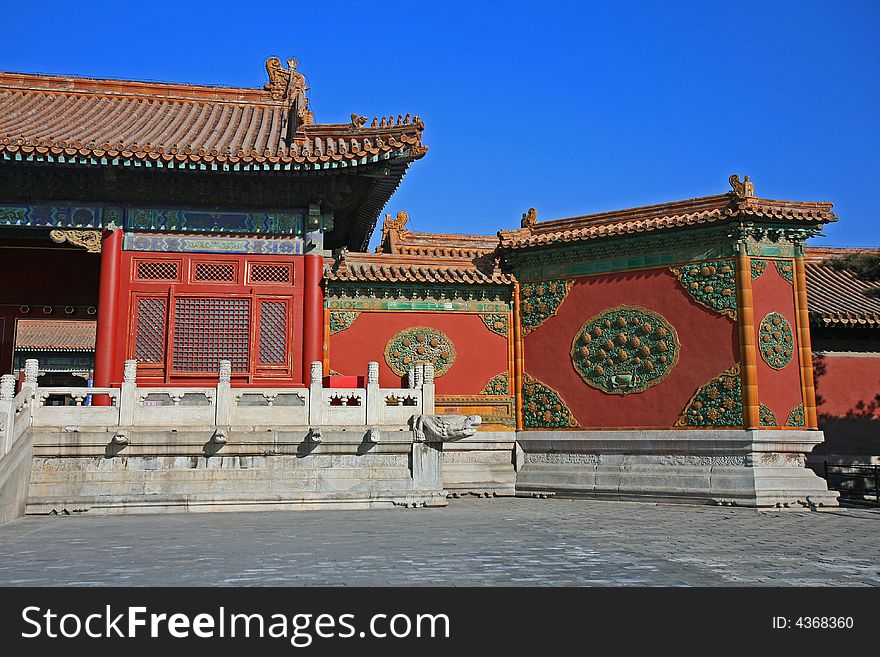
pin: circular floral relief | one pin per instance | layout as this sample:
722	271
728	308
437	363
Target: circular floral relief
776	341
625	349
419	344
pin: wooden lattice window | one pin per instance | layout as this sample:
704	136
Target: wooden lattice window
270	274
149	340
223	272
207	330
157	270
273	333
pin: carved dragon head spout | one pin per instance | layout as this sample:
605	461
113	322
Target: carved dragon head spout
445	428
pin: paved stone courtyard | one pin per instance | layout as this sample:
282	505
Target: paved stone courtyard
478	542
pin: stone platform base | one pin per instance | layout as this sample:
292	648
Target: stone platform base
757	468
481	465
162	471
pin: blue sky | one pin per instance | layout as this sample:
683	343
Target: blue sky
571	108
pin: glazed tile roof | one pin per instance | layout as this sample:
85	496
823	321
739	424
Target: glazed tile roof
411	257
836	298
704	210
62	116
54	335
391	268
398	239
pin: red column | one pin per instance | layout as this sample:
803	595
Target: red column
108	311
313	313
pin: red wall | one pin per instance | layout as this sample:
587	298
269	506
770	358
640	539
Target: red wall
847	385
709	345
480	353
291	292
779	390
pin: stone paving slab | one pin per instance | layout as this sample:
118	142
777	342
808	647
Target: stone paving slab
485	542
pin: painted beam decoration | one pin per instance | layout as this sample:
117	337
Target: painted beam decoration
543	407
776	341
625	349
540	301
711	284
419	344
716	404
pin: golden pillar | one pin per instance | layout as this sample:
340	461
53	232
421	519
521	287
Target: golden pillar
749	369
805	346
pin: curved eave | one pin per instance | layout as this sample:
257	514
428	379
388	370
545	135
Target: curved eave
84	157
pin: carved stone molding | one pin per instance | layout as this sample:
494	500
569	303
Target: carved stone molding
90	240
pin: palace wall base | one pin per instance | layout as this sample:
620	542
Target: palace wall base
15	475
482	465
754	468
166	471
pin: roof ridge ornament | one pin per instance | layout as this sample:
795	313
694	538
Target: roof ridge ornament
742	189
284	83
357	122
530	218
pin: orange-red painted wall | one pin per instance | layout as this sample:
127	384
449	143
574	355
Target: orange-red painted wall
709	345
779	390
480	353
847	385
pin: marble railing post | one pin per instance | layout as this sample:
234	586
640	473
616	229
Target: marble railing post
223	402
373	401
316	393
428	389
7	411
128	393
31	372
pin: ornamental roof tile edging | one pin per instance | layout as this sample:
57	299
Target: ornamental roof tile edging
737	204
50	115
406	256
836	298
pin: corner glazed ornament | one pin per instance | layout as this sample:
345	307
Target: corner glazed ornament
417	345
625	349
776	341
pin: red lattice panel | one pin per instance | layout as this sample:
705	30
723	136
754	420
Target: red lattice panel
207	330
273	333
270	274
214	271
157	270
149	340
